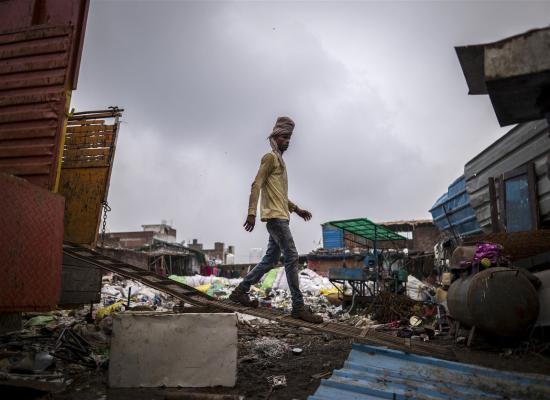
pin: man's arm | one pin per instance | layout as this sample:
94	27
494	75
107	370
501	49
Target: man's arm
266	166
305	214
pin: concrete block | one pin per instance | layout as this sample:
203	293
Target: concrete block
173	350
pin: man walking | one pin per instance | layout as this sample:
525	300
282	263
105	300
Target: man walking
275	207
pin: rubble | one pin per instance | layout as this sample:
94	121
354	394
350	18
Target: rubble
270	347
67	346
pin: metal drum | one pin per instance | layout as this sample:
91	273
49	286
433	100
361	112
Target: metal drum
501	301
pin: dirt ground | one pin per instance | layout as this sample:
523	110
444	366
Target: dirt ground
321	354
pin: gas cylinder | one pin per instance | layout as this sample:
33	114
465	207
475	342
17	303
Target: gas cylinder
500	301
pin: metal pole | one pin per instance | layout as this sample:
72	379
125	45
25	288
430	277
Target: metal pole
129	294
376	259
451	227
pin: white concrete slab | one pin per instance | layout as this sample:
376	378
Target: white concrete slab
173	350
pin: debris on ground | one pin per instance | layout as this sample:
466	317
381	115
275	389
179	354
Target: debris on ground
70	348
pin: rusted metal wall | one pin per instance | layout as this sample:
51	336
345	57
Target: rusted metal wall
40	49
31	246
89	149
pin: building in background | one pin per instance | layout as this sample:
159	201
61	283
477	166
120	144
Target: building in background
230	255
422	236
154	249
344	249
146	237
255	255
218	255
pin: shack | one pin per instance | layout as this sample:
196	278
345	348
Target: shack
508	182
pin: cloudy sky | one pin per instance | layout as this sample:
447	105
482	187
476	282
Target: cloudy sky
383	119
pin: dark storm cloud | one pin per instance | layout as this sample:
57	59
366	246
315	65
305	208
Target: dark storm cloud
383	122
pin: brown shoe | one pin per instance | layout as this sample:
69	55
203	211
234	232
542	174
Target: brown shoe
241	297
305	314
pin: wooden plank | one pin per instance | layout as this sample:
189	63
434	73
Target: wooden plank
72	164
493	204
502	203
107	114
89	129
532	184
85	122
87	152
104	140
517	245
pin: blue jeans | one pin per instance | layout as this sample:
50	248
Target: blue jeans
280	239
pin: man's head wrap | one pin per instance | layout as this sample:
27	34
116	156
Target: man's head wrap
284	125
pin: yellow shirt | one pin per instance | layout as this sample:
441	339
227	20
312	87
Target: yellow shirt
272	182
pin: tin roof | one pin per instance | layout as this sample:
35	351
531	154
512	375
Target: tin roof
367	229
372	372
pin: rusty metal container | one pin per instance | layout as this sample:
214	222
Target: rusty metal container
31	237
499	301
88	156
40	49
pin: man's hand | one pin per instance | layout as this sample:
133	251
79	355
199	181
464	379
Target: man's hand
305	214
249	223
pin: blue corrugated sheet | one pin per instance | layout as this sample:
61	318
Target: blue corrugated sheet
333	238
379	373
454	206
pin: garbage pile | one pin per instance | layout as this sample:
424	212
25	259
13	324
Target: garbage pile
390	312
272	291
54	350
119	294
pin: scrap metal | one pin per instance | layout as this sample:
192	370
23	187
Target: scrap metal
40	48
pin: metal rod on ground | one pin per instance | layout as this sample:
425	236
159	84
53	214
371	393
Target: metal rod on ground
129	294
201	396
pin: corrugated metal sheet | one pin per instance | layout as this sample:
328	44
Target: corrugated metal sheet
20	15
378	373
528	142
333	238
89	150
453	208
31	238
40	47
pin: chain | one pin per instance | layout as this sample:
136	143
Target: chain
106	209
